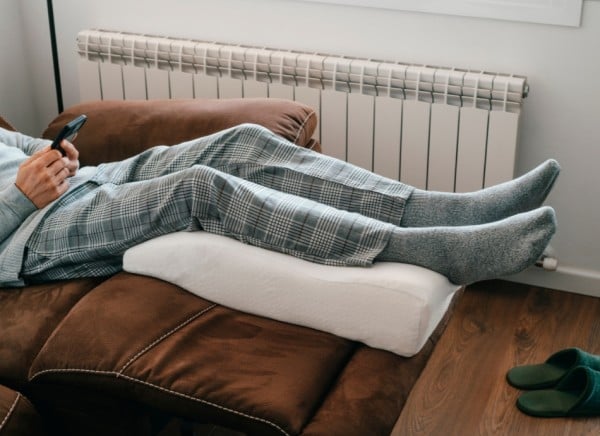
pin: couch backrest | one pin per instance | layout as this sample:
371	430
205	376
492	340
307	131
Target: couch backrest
5	124
118	129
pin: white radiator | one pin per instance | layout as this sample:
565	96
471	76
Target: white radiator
435	128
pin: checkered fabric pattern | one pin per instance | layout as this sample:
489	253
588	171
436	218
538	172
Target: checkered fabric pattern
244	182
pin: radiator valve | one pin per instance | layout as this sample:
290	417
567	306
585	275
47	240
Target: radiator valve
548	260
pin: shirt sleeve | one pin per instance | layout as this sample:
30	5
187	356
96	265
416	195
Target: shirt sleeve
15	207
26	143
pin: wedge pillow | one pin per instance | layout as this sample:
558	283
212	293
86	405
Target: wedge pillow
391	306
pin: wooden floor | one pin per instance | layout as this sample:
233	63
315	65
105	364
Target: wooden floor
497	325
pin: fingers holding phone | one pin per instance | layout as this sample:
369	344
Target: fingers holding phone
62	143
43	177
71	157
68	132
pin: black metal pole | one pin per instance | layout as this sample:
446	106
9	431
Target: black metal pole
59	99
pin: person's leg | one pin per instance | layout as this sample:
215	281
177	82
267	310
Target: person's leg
88	236
467	254
430	208
256	154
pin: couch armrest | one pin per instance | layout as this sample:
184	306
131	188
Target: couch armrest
118	129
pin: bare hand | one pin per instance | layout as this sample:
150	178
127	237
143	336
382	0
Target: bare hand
71	158
43	177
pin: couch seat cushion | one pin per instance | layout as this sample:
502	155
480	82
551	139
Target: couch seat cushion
144	339
27	317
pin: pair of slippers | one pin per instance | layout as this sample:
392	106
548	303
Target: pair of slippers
567	384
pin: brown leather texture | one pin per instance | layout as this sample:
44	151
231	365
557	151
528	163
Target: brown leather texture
27	318
18	417
116	130
143	339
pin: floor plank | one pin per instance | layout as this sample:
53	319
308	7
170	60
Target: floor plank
498	325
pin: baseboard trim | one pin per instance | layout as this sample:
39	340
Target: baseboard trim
565	278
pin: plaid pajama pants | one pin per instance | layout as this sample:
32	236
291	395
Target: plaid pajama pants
244	182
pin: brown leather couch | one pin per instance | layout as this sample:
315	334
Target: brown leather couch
131	355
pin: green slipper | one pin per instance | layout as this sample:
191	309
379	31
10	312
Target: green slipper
545	375
577	394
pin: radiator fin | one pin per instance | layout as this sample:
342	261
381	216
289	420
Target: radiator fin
438	128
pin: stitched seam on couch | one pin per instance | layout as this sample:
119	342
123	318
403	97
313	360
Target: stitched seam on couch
10	411
166	335
301	128
169	391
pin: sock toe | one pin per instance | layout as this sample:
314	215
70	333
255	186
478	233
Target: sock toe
468	254
505	247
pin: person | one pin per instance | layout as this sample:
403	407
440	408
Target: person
60	221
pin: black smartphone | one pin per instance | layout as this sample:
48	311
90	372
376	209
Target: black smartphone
68	132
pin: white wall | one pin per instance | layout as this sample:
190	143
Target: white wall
561	117
16	100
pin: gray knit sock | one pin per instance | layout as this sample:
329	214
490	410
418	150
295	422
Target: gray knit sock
432	209
469	254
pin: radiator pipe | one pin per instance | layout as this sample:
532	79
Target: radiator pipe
57	84
548	260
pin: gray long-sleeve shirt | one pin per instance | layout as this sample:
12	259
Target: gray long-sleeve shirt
18	215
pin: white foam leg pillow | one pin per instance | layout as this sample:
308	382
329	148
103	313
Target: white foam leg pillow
391	306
